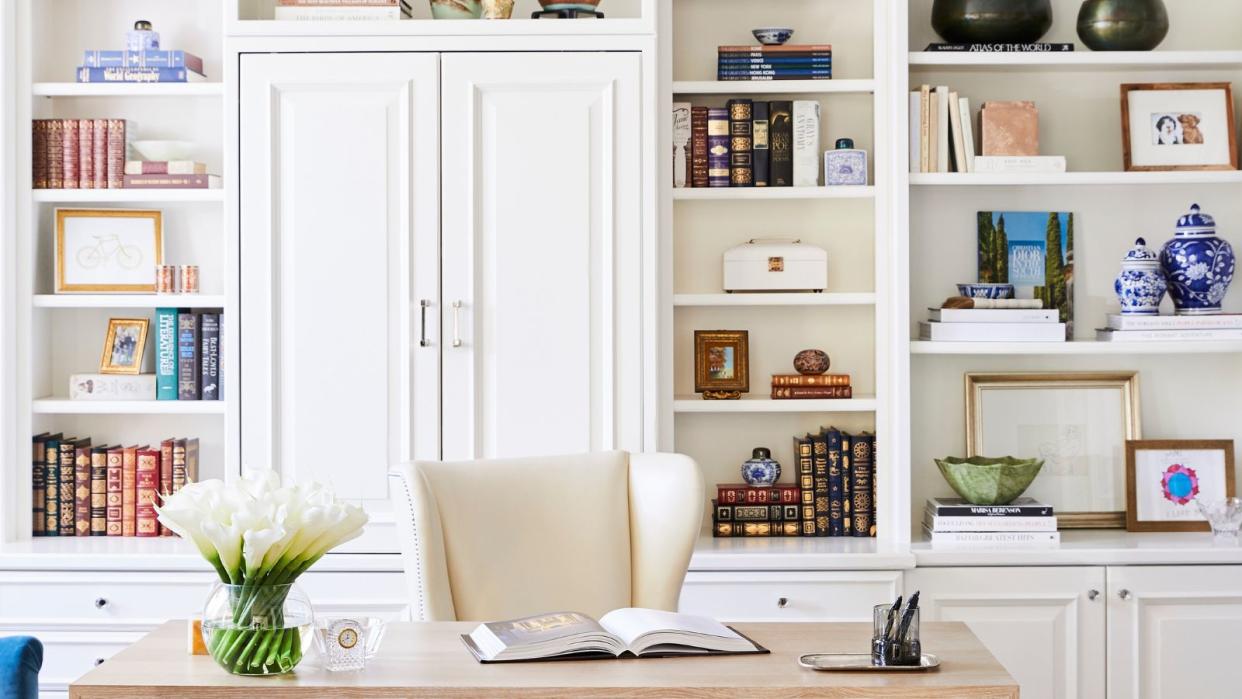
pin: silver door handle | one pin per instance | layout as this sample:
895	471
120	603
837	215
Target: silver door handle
422	322
1092	594
456	323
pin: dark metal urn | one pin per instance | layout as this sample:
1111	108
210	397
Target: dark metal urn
1123	25
991	21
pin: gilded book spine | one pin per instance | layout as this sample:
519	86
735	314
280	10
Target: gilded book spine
115	498
717	147
860	480
117	149
148	482
752	495
817	380
82	489
741	143
847	490
698	147
55	158
166	477
823	509
86	153
99	159
811	392
178	465
68	455
759	134
69	153
51	494
806	483
38	485
99	491
38	154
129	491
836	484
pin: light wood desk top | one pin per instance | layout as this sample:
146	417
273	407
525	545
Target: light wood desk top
429	660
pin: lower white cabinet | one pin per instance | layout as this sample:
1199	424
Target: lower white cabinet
788	596
1122	632
1174	632
1045	625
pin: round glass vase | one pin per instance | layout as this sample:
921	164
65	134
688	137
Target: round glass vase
257	629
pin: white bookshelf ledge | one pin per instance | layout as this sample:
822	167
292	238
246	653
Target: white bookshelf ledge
786	299
797	553
1084	347
64	406
129	301
1096	548
1136	60
121	195
1073	179
164	553
196	89
764	404
739	193
772	87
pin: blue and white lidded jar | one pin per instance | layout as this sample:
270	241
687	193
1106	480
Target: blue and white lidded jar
761	469
142	37
845	165
1140	287
1197	265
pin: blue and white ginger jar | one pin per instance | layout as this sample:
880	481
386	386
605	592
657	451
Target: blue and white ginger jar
1198	265
761	469
1140	287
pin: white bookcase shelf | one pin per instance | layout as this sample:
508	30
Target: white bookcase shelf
1082	58
129	301
123	196
772	87
1074	179
1083	347
64	406
772	193
199	89
793	299
762	404
514	27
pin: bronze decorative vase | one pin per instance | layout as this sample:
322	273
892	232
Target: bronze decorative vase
991	21
1123	25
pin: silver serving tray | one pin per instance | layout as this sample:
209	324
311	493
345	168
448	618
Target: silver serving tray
853	662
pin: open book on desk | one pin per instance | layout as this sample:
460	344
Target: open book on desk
633	632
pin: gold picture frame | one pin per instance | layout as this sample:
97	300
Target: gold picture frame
1065	448
124	346
721	363
1181	452
108	250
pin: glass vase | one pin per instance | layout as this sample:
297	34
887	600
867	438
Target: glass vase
257	629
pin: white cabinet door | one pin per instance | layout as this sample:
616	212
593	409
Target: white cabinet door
339	242
1173	632
1045	625
542	251
793	596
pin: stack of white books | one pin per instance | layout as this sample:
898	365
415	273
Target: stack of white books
992	325
953	523
1226	326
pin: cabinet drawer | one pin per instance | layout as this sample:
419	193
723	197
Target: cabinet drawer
69	653
806	596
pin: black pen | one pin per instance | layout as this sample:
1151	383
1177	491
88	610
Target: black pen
892	616
908	617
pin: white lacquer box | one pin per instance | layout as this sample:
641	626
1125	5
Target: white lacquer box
775	265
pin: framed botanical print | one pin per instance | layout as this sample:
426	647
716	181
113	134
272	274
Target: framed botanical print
123	346
108	250
721	363
1078	423
1165	479
1178	126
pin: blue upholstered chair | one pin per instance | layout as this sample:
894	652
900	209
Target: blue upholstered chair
21	657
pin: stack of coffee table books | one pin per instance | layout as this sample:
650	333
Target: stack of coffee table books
1136	328
992	325
954	524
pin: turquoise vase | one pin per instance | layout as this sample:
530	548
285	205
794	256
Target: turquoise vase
456	9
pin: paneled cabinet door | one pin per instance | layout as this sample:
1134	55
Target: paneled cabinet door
542	240
1045	625
1173	632
339	244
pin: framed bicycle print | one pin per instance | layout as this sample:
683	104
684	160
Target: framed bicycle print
108	250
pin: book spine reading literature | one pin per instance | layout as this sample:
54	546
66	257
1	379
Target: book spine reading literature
698	147
68	455
187	356
99	491
82	489
717	147
166	354
115	498
823	485
51	491
805	449
806	151
741	143
780	135
788	392
38	485
759	145
129	490
860	484
811	380
148	482
209	356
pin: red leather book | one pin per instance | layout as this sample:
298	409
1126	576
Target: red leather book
742	494
114	498
86	153
129	491
157	181
82	489
698	147
116	152
99	491
38	154
795	392
99	158
148	483
69	152
166	477
813	380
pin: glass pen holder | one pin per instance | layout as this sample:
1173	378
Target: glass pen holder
347	644
895	638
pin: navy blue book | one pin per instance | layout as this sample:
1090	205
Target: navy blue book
836	483
209	355
188	362
87	74
803	72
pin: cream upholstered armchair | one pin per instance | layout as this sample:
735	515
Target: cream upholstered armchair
505	538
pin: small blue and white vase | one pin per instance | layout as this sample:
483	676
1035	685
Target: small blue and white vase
761	469
1197	265
1140	287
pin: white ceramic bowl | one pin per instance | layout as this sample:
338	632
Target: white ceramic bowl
163	150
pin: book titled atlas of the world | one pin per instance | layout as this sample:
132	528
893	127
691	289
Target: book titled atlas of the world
630	632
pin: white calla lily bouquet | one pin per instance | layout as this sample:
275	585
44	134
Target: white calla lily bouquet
259	537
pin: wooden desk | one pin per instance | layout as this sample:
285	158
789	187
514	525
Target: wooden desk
429	660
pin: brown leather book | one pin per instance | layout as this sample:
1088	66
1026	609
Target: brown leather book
148	483
82	489
1010	128
804	392
129	491
814	380
114	492
698	147
69	153
67	512
99	491
166	477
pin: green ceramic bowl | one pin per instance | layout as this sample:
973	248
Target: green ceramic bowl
989	481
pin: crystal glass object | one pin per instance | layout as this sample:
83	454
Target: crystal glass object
1225	516
347	644
895	638
257	629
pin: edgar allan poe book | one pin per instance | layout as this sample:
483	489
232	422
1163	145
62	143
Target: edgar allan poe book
780	144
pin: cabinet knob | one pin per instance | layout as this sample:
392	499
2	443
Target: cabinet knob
782	602
100	603
1124	593
99	661
1092	594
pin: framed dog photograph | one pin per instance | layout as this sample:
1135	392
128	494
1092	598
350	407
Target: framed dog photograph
108	250
124	345
1165	479
1178	126
721	363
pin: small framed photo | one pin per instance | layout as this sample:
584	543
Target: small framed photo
1164	478
124	345
108	250
1178	126
721	363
